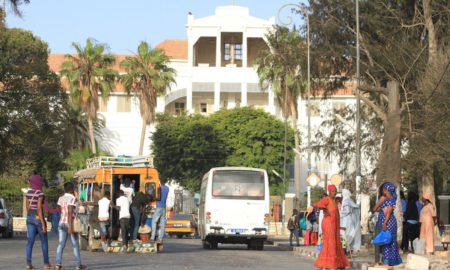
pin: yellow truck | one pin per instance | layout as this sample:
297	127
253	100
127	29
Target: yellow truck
105	173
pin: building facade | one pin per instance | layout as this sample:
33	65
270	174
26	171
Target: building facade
215	70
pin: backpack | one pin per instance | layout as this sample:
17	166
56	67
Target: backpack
303	223
291	223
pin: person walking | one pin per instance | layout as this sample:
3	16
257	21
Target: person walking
55	216
350	220
36	224
140	201
293	227
331	255
68	205
412	220
404	245
428	220
123	206
160	212
103	217
387	221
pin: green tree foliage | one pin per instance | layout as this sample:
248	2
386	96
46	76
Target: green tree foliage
89	73
31	107
186	147
148	75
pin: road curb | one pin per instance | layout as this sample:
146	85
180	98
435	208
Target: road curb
307	252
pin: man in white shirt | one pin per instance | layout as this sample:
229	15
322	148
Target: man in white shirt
123	206
128	190
103	216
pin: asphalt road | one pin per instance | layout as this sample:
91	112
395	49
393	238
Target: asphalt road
177	254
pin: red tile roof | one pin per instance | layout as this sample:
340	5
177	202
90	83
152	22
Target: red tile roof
176	49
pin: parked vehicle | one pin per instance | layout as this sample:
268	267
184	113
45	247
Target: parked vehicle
181	225
6	220
104	173
234	207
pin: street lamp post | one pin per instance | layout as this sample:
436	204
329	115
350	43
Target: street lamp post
282	201
291	21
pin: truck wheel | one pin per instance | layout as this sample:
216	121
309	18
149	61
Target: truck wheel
83	242
5	233
214	245
206	245
179	236
260	246
11	232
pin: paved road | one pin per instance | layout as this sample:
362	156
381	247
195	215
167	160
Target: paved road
178	254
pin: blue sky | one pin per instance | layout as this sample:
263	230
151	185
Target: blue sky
121	24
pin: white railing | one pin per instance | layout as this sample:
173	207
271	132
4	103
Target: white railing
104	161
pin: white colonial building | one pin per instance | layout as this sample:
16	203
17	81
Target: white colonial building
215	70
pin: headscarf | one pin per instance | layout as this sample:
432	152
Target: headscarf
346	193
427	195
36	184
331	187
391	189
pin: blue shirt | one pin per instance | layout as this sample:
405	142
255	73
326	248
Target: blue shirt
164	192
403	209
419	208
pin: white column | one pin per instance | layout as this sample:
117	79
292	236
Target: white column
189	97
218	47
191	43
244	48
244	94
216	96
160	103
271	107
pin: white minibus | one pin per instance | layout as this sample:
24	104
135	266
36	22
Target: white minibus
234	207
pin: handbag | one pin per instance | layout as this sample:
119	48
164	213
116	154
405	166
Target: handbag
383	238
77	226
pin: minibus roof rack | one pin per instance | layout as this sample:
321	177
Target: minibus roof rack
120	161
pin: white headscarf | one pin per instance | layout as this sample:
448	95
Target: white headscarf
346	194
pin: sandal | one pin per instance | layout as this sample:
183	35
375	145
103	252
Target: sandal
29	266
58	267
49	266
81	267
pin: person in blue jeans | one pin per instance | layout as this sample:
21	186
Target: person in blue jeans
68	205
35	220
160	212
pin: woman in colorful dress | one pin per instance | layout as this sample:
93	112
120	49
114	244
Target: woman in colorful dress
331	255
427	219
387	221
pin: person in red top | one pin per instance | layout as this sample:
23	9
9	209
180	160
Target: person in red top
332	254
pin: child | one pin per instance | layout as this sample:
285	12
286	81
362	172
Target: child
55	216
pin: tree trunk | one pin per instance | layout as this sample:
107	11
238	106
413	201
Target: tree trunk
144	128
297	156
427	182
91	135
389	161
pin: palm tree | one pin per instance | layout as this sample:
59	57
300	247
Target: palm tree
89	74
148	75
279	68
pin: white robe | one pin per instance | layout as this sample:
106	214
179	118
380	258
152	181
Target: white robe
350	219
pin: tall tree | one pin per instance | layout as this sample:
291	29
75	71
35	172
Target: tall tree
397	40
148	75
89	73
279	69
31	104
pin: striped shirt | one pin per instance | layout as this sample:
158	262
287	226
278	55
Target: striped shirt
33	203
64	202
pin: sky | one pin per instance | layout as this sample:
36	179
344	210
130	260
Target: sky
121	24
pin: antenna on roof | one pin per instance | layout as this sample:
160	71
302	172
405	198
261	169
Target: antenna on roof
232	2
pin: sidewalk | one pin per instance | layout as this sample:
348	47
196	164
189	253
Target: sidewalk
361	259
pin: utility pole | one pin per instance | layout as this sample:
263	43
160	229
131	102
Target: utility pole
358	116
